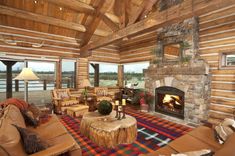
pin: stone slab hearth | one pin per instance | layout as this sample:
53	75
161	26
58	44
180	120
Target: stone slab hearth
193	79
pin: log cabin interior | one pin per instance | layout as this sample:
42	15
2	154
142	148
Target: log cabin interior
117	77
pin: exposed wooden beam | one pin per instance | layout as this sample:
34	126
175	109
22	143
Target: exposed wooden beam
148	7
100	9
110	23
136	13
158	19
143	10
74	5
46	19
39	35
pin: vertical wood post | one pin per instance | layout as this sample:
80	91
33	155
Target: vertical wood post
58	73
83	71
120	76
44	84
9	65
16	85
75	76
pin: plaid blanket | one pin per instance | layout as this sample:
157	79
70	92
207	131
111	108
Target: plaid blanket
153	133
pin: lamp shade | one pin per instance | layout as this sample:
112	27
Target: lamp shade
85	83
26	74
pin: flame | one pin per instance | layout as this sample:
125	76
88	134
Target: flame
168	98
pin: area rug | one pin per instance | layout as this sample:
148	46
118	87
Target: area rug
153	133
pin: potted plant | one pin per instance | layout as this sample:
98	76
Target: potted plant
146	99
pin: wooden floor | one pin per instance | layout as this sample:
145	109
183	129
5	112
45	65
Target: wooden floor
37	97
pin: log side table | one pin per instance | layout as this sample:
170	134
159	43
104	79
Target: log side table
107	131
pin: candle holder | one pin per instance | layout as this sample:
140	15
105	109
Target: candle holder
123	112
119	112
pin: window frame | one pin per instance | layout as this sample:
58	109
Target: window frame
223	61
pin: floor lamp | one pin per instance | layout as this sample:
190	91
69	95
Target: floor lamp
26	74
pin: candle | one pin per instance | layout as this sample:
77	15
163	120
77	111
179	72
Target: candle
123	102
116	102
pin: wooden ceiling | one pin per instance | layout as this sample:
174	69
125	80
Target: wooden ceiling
84	20
68	28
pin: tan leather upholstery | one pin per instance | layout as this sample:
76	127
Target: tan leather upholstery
228	147
13	114
198	139
52	132
10	139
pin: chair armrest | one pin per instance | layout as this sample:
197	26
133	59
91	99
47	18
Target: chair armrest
55	150
57	99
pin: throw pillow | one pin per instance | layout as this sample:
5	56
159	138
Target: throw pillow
29	118
204	152
35	110
31	142
224	130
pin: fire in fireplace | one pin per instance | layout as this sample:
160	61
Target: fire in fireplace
170	101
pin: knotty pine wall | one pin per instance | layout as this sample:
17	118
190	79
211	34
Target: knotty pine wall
217	34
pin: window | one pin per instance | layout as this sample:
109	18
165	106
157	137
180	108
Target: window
133	74
227	60
107	75
68	74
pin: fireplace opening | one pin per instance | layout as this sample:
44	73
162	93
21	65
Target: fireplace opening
169	101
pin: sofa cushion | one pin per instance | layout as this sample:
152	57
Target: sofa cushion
206	135
224	130
35	110
189	143
50	130
228	148
13	115
10	139
31	142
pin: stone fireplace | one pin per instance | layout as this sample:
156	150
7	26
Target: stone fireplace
181	83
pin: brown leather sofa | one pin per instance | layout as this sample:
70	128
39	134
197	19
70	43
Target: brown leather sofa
198	139
52	132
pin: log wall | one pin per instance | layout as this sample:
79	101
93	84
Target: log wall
217	34
139	48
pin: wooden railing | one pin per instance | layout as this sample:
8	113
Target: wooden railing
36	85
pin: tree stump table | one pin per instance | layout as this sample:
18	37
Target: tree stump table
107	131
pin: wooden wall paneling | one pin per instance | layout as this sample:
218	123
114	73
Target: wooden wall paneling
217	31
82	71
58	73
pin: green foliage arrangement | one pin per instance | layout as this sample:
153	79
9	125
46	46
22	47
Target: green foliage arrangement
105	107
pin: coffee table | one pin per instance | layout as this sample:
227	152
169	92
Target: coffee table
107	131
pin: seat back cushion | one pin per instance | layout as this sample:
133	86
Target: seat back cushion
62	93
14	116
228	148
10	139
101	91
